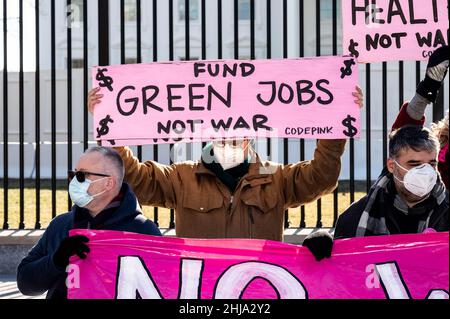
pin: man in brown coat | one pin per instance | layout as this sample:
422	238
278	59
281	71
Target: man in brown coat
250	205
230	192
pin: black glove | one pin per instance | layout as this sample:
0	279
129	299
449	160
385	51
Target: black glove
437	68
75	245
320	243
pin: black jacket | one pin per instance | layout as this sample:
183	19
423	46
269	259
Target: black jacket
396	221
37	273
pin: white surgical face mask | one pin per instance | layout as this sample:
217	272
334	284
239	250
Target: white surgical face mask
419	180
79	194
228	156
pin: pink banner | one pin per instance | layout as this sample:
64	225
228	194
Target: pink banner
126	266
394	30
205	100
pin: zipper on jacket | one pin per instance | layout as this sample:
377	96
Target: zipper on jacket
252	221
230	204
250	215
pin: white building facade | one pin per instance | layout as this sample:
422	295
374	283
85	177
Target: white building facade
75	16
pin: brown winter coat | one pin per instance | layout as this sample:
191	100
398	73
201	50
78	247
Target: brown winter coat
204	206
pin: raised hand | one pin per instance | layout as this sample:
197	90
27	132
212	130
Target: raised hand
94	98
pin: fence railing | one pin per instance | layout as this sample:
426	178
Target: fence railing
50	45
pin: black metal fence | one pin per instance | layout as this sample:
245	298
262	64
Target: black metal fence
104	18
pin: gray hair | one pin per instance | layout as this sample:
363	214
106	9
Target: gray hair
415	137
113	157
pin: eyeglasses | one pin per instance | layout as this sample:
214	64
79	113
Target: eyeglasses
81	175
231	143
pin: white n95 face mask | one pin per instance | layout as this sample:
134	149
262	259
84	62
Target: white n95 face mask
419	180
229	156
79	194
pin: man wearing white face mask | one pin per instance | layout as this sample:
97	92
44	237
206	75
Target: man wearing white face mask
228	159
408	197
102	202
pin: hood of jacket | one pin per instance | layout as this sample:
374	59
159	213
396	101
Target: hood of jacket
113	214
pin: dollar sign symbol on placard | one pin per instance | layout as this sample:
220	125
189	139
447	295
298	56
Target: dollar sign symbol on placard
351	130
352	48
348	68
104	129
103	80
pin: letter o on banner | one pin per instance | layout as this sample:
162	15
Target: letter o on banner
234	281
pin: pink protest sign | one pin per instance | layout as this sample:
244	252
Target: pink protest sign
204	100
385	30
126	266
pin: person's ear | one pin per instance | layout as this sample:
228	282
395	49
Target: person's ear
390	165
111	183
